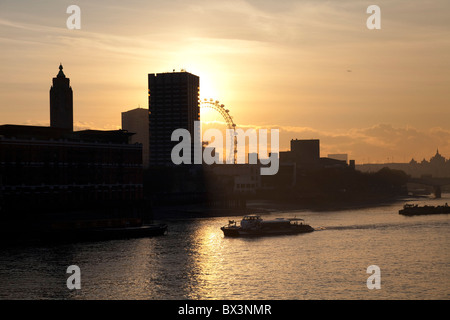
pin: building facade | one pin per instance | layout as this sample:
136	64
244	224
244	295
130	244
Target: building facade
239	178
46	169
306	151
136	121
174	103
339	156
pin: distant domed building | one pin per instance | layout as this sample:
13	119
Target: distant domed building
437	159
438	167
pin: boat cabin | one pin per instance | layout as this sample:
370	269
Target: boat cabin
255	221
251	221
297	221
252	217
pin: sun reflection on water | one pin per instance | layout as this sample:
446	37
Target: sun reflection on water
195	261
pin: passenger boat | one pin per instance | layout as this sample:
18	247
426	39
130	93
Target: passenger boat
414	210
253	225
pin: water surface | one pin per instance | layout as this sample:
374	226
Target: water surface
195	261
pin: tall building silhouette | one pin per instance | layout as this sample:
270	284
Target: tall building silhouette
174	103
61	102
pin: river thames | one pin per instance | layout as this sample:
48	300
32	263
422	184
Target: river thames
195	261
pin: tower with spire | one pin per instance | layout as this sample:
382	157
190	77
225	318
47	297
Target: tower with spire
437	159
61	102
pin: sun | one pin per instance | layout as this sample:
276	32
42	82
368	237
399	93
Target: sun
208	89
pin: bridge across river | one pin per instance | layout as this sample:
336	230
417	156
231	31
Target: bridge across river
436	183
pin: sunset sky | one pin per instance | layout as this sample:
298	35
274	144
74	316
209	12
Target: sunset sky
310	68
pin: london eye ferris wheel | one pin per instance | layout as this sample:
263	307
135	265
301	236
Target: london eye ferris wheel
231	126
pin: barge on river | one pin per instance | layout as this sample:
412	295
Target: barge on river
102	234
414	210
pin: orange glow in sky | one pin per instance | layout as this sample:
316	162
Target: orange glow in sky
310	68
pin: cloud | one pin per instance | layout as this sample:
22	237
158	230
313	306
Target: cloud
86	125
36	122
378	143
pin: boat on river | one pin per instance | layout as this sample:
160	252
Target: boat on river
254	225
414	210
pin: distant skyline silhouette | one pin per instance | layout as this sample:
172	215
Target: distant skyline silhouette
274	64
